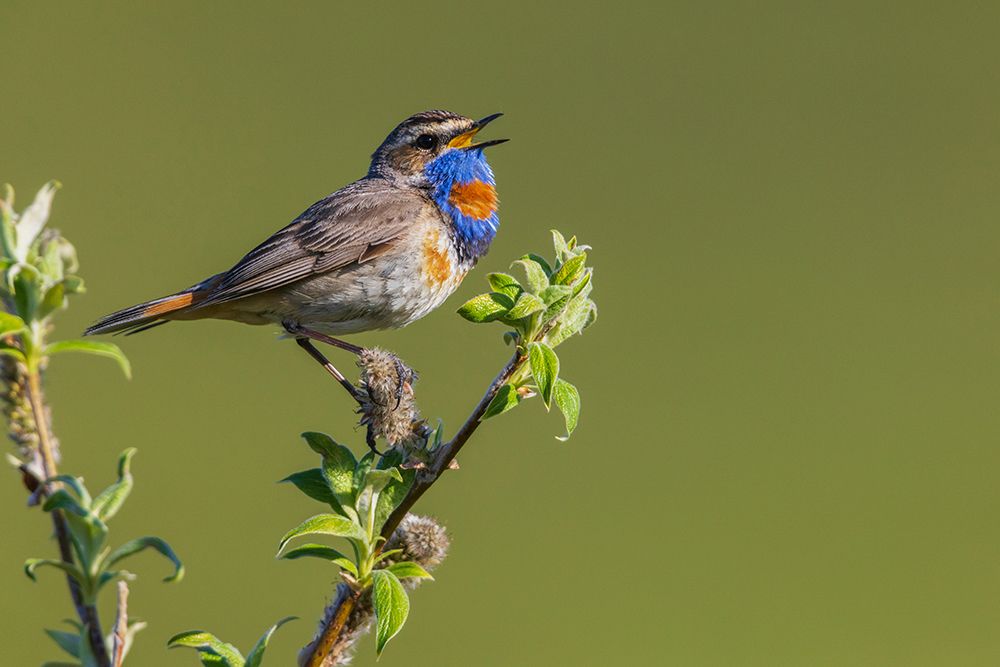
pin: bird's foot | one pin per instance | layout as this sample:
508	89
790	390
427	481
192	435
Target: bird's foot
370	441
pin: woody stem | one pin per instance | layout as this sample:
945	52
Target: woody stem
86	612
328	649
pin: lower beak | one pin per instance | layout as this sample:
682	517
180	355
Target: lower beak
464	140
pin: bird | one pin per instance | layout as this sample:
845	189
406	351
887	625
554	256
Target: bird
379	253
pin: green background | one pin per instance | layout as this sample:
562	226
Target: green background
788	448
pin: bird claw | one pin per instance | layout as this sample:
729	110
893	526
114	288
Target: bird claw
404	376
370	441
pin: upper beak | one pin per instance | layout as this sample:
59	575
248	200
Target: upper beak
464	140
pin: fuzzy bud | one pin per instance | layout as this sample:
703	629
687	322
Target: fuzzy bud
15	406
388	407
424	541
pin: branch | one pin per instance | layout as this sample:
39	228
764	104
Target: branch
327	650
121	625
446	454
46	449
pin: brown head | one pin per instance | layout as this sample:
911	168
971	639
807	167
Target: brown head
421	139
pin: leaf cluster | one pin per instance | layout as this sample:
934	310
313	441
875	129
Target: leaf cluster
95	563
551	304
362	495
38	272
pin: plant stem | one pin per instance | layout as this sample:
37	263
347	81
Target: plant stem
86	612
326	650
447	452
121	624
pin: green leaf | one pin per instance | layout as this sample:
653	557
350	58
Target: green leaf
33	219
322	552
24	281
73	285
11	324
526	304
141	543
256	654
392	495
579	314
313	484
208	645
555	293
109	501
591	316
54	299
338	469
392	606
88	534
570	270
392	459
388	554
95	347
409	569
568	399
559	243
556	297
76	484
33	564
361	471
486	307
537	276
541	261
584	283
544	368
325	524
61	499
67	641
505	284
506	398
376	480
107	576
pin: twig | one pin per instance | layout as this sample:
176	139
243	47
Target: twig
326	650
121	625
87	613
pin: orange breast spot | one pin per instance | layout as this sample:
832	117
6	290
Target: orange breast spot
437	265
475	199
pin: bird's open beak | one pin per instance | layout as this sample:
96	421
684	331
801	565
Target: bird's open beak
464	140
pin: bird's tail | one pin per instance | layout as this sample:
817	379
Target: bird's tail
145	315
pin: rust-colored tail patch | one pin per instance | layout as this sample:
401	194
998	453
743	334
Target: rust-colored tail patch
169	305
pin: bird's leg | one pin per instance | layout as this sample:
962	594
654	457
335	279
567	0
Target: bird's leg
403	374
301	332
306	345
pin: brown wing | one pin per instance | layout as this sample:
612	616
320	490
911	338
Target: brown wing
350	226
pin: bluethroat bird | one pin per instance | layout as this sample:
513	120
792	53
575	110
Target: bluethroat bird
380	253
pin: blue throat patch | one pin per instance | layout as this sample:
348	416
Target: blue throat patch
460	167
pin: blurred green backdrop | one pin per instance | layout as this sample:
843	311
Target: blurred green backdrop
788	450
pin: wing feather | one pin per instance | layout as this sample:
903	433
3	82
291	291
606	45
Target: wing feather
351	226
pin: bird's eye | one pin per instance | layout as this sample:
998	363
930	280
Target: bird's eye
426	141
